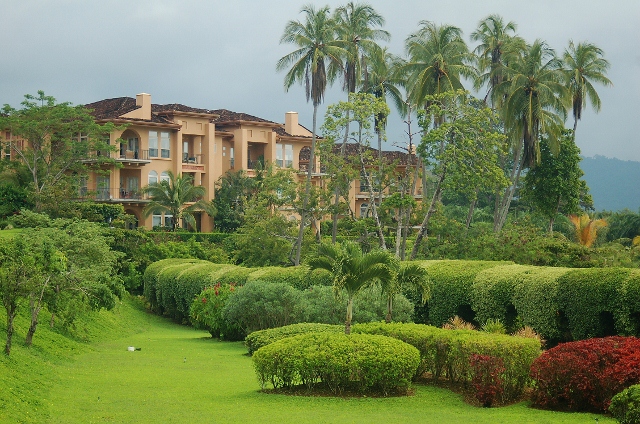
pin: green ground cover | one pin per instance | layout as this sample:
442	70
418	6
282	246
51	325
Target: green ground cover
182	375
10	233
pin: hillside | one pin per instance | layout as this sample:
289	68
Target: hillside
614	183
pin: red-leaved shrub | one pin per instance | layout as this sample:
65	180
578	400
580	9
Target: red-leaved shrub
486	378
584	375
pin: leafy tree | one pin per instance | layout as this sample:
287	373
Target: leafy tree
318	49
171	197
361	108
461	141
352	270
53	140
583	65
556	184
233	190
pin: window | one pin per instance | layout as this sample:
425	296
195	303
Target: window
156	221
103	188
153	177
168	220
364	210
164	176
164	145
232	158
153	144
284	155
364	184
132	148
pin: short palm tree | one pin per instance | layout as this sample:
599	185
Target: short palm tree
352	270
314	63
586	228
177	196
583	66
407	275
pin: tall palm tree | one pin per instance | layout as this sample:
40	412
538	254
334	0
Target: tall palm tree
352	270
178	197
314	63
535	103
438	60
584	65
498	45
357	34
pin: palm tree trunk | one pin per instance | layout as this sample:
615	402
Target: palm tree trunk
347	323
343	151
501	217
307	189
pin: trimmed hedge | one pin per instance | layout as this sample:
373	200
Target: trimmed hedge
592	303
451	289
448	353
358	362
257	339
492	293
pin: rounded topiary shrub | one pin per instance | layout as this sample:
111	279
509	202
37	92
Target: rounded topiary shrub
257	339
625	406
338	362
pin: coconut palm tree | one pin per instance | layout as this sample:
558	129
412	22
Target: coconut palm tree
357	33
498	45
438	60
584	65
535	103
352	270
178	197
314	63
536	99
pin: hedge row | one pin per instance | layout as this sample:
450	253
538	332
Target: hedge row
170	285
449	353
258	339
561	304
337	362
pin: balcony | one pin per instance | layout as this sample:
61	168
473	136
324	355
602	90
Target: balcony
126	157
113	195
193	163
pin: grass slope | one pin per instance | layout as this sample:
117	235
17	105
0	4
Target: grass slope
182	375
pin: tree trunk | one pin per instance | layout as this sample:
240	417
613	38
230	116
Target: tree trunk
343	151
427	217
11	315
387	318
35	306
347	323
553	218
307	189
372	199
501	217
472	207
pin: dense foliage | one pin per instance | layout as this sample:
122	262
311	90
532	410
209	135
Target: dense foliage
625	406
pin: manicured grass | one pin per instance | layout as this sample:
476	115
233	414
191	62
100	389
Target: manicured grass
9	233
182	375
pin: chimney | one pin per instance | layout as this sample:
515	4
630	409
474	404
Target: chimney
143	100
291	123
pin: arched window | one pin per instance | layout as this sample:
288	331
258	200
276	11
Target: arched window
153	177
164	176
364	210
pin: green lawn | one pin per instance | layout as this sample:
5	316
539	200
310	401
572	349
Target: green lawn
182	376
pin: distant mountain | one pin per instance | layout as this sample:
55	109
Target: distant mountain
614	183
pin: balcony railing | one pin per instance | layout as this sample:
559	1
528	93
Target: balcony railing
195	159
112	194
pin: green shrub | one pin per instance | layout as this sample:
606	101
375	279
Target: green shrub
293	276
451	289
591	301
234	274
150	279
625	406
206	312
494	326
535	297
257	339
630	301
447	353
324	306
492	293
259	305
357	362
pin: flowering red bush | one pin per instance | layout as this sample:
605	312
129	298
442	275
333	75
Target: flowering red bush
584	375
486	377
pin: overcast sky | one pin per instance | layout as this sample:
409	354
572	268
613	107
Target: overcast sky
222	54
